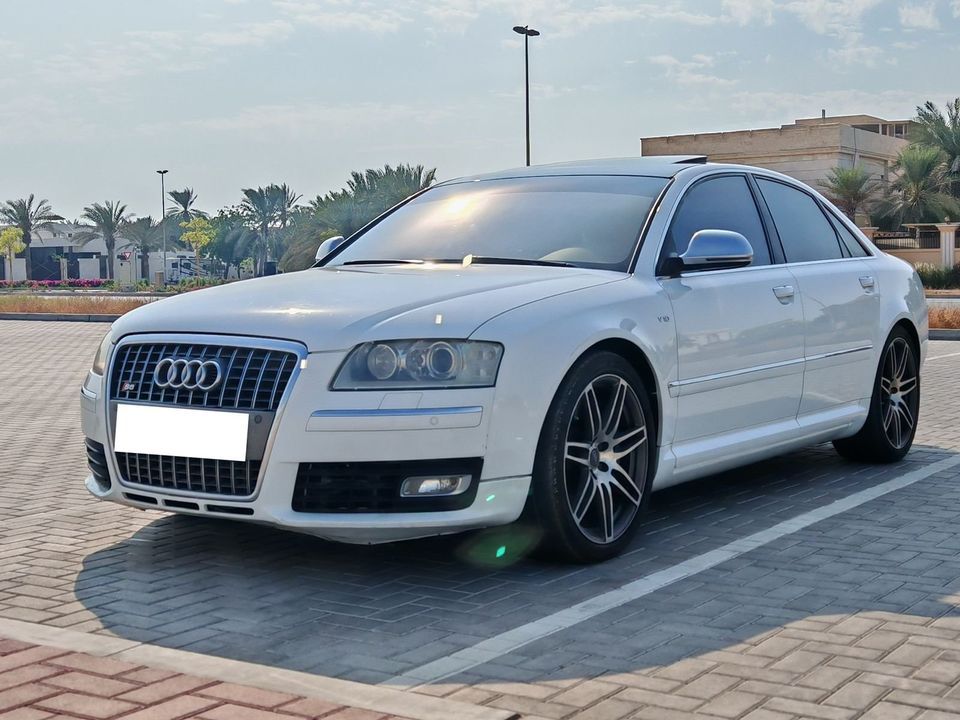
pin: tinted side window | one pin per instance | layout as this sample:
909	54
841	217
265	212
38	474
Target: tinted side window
723	203
804	230
850	242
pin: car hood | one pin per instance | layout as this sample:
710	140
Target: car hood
336	308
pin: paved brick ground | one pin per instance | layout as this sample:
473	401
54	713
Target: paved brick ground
37	683
854	616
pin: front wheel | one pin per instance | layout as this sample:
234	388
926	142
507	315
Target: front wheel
891	424
595	460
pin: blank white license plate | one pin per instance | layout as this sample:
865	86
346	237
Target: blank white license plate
181	432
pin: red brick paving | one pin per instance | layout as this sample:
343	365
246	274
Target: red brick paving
41	683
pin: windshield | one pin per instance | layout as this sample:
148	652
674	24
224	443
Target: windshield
586	221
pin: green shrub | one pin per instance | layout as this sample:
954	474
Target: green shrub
935	277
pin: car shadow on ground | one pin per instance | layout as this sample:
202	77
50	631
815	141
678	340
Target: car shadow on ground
370	612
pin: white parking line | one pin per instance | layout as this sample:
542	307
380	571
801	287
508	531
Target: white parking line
937	357
511	640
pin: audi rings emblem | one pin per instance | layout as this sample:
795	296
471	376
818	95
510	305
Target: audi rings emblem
182	374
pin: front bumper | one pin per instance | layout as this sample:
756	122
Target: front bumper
318	425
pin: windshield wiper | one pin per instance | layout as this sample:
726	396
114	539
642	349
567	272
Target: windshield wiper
493	260
383	262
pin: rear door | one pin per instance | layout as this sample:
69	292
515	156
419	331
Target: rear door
839	295
739	331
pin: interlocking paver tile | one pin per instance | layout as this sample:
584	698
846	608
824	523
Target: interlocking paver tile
867	598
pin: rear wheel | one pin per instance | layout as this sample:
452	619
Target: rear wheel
595	461
892	421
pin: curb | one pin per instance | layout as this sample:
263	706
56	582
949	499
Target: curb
377	698
59	317
945	334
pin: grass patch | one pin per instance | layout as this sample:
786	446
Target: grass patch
68	305
944	317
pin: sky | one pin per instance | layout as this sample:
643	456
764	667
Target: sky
226	94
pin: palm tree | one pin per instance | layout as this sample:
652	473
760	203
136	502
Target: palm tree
920	192
107	220
234	240
851	189
183	210
259	207
145	237
29	217
286	201
399	183
935	130
368	194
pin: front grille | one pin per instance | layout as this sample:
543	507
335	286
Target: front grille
215	477
97	460
253	378
374	487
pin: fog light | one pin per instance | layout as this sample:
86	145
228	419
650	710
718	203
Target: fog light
433	486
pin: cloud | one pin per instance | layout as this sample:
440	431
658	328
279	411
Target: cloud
831	17
773	107
691	72
305	120
744	12
854	53
556	18
339	15
956	8
921	16
247	34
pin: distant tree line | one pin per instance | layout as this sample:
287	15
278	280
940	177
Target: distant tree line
268	224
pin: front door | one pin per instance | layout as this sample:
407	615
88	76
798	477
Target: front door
739	332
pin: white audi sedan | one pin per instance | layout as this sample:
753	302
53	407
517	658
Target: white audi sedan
551	343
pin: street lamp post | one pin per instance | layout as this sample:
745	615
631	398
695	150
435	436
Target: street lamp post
527	32
163	223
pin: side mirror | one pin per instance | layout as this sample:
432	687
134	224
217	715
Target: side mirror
716	250
328	246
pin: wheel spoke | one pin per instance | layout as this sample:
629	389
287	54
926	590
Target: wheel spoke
606	512
896	427
906	415
908	386
621	480
890	364
638	437
886	384
586	498
902	360
888	417
578	447
593	410
616	408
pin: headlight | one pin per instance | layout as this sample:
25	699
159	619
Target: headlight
100	359
418	364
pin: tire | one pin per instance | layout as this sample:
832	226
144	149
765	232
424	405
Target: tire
592	477
891	423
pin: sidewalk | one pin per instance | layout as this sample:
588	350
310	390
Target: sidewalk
37	683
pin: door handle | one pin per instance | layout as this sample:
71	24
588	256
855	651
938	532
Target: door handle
784	293
867	282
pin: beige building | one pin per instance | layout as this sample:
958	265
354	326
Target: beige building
805	150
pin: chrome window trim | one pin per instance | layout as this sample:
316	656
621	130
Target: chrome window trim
696	174
297	348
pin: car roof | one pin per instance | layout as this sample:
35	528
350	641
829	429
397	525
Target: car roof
664	166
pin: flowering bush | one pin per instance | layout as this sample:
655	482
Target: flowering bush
185	285
41	284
